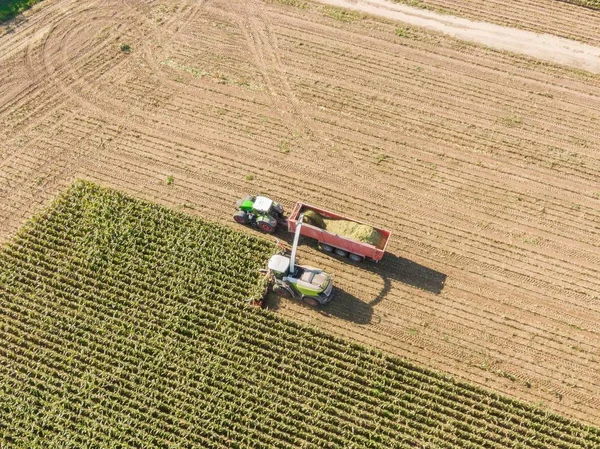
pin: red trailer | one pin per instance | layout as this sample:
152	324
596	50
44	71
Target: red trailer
343	246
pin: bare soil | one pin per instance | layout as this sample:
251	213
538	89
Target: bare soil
484	164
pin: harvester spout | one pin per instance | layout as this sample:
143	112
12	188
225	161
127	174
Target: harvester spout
295	245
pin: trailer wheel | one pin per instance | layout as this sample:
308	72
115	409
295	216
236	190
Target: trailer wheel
326	248
356	257
341	252
310	301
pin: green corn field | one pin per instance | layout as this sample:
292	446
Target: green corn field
10	8
124	324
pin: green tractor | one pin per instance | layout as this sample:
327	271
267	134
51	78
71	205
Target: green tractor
311	285
260	212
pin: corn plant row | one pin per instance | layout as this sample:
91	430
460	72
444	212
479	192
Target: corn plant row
126	324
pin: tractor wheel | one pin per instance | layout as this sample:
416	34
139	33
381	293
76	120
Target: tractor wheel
281	291
356	257
341	252
310	301
265	226
326	248
241	217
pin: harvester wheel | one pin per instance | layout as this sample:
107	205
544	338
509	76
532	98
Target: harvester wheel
281	291
326	248
341	252
241	217
356	257
310	301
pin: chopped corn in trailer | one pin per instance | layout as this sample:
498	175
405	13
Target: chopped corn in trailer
342	245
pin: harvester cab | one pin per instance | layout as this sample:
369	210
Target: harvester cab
259	211
312	285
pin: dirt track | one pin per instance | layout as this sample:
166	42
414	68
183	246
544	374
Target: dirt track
484	165
541	46
555	17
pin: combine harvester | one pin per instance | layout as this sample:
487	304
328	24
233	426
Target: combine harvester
288	280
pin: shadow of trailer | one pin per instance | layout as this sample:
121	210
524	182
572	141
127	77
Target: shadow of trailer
341	245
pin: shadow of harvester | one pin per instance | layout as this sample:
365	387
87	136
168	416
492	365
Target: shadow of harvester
392	268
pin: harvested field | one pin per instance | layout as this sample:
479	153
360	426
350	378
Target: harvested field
125	323
485	165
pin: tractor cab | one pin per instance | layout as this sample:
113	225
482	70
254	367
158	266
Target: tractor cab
260	205
263	205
